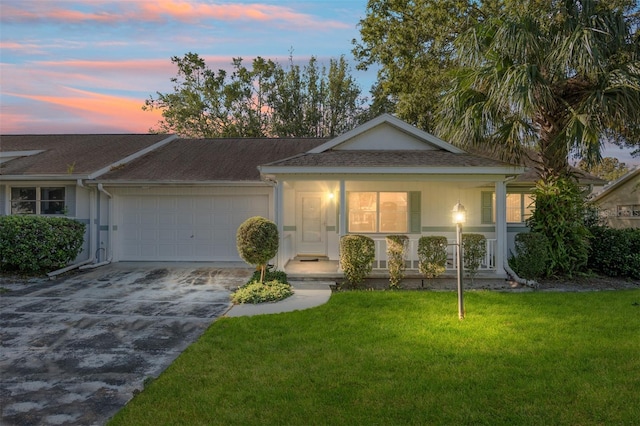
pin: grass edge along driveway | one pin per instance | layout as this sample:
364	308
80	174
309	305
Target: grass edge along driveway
405	358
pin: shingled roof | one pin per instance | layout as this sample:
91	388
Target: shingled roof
70	154
207	160
387	158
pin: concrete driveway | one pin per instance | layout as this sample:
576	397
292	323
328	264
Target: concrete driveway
75	350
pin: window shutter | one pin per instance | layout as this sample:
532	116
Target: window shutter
415	215
487	207
3	201
70	200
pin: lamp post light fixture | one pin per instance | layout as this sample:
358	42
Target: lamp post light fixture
459	216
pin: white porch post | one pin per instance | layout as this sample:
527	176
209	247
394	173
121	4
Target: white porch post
343	208
279	219
501	226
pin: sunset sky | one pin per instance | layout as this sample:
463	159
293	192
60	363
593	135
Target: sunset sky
87	66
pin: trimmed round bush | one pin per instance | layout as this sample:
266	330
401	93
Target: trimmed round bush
474	249
532	255
357	253
396	258
432	255
257	241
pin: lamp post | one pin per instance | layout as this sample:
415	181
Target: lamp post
459	216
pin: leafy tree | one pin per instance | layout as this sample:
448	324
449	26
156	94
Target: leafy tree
609	168
558	79
264	99
411	45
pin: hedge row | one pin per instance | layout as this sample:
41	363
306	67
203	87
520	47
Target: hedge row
33	244
615	252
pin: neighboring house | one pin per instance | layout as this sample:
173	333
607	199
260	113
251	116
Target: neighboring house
161	198
619	202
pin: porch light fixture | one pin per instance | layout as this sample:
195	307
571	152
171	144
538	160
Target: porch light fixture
331	196
459	216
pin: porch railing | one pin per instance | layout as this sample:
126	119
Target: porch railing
380	261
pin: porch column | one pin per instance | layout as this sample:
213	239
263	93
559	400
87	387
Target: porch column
501	227
279	219
342	219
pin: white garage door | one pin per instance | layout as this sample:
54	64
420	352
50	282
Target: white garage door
185	228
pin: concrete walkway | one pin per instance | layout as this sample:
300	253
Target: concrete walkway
306	294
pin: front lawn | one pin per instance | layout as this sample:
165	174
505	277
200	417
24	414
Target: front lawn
396	358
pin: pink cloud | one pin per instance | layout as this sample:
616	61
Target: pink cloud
95	110
161	10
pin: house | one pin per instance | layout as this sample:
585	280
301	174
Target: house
162	198
619	202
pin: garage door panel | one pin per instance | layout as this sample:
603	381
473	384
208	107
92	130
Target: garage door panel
197	228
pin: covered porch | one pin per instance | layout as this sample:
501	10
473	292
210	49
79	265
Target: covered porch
386	177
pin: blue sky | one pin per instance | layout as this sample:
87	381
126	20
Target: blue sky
87	66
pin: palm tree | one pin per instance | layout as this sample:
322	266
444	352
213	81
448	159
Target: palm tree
554	82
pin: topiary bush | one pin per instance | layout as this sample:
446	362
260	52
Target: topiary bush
396	258
257	242
432	255
357	253
474	249
259	292
36	244
615	252
532	255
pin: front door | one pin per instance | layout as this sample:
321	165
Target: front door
310	224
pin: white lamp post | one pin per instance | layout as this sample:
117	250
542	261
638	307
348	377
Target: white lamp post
459	216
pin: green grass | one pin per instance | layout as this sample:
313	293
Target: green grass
395	358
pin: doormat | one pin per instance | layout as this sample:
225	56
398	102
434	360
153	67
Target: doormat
310	260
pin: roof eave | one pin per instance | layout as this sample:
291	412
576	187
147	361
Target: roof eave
387	170
169	182
31	178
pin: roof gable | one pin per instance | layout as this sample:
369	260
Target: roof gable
386	133
630	179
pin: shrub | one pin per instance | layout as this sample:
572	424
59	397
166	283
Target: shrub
432	255
270	275
357	253
257	242
559	214
258	292
474	248
531	257
35	244
615	252
396	258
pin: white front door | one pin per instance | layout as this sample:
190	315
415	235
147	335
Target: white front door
311	224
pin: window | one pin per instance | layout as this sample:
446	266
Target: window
632	210
378	212
520	206
38	200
